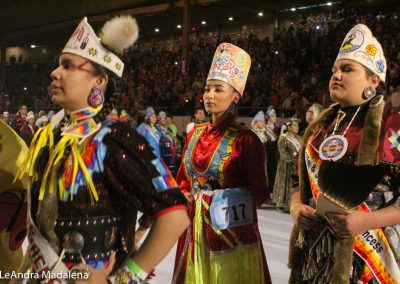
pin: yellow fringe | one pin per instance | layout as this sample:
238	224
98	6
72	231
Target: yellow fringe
41	138
242	265
44	137
239	265
197	270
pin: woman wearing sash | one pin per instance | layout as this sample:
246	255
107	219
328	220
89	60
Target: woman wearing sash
346	205
258	126
90	175
272	132
150	130
223	176
288	146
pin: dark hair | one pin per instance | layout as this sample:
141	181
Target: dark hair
381	87
109	99
233	107
199	108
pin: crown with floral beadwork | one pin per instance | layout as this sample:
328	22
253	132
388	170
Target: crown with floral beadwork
361	46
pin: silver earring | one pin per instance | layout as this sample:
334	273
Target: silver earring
369	92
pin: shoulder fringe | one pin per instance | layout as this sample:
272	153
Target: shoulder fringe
367	154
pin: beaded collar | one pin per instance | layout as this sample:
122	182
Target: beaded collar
82	123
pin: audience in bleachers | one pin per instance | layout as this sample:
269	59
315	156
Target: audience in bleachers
290	70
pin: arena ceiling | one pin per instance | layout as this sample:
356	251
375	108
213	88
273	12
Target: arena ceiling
50	22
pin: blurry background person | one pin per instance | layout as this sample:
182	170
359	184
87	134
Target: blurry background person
171	125
199	116
41	115
29	129
272	132
259	127
20	119
150	130
6	117
167	142
311	114
288	146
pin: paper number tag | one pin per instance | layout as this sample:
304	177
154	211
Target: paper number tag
231	208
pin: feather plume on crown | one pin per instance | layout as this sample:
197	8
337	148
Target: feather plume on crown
119	33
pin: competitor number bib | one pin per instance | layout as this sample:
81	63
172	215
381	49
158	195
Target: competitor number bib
231	208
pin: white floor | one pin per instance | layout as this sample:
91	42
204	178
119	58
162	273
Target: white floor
275	230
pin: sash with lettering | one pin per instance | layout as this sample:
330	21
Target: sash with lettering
42	255
372	246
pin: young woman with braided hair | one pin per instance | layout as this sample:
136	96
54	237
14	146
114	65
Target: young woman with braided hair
89	175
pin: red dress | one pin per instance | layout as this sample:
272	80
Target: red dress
216	161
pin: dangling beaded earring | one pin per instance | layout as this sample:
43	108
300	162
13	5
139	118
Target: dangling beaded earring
96	97
369	92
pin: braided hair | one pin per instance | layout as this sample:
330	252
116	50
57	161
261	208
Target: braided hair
109	99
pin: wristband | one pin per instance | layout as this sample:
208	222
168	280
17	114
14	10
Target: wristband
136	269
293	206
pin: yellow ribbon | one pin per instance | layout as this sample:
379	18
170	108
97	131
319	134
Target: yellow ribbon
44	138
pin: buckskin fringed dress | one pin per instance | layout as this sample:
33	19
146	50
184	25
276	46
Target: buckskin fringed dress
223	166
373	256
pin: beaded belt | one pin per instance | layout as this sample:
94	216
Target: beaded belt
92	238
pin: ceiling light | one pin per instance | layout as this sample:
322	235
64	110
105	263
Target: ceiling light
156	30
293	9
33	46
203	22
179	26
230	18
260	14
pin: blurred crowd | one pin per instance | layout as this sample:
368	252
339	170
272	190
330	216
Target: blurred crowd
290	70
